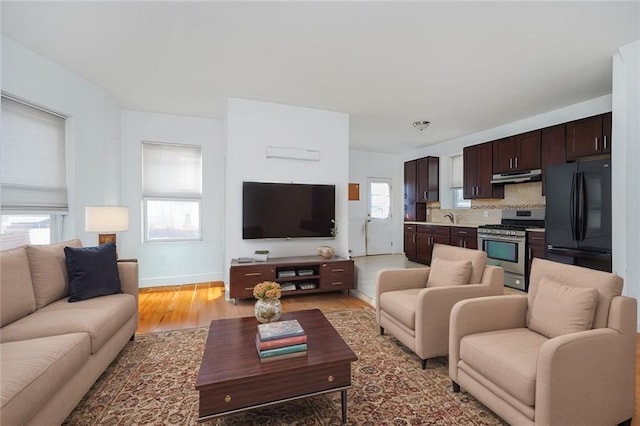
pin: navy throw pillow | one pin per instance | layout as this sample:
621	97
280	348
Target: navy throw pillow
93	271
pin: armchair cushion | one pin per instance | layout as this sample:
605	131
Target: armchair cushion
508	358
401	305
449	272
561	309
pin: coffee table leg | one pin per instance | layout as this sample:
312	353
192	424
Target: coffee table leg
344	406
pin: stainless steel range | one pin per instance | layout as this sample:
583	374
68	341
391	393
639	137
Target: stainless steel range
506	243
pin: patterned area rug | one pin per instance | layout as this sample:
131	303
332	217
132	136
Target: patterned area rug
152	382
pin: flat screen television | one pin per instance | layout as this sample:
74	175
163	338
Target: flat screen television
287	210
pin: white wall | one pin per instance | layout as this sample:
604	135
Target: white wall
251	127
363	165
93	129
163	263
626	174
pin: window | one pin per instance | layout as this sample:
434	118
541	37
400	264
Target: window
380	200
172	191
32	174
457	183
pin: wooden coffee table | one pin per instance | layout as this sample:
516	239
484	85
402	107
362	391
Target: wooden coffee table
233	379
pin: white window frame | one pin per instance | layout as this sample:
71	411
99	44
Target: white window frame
170	196
456	183
35	196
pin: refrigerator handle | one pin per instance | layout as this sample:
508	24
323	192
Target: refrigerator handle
572	207
581	206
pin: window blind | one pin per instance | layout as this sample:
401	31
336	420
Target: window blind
456	171
171	171
33	160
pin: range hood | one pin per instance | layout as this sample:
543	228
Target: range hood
518	177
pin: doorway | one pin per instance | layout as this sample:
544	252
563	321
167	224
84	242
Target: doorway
378	227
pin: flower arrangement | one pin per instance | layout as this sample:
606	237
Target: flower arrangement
267	290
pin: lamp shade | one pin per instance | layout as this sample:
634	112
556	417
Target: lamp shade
106	219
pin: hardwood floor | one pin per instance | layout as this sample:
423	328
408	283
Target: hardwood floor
174	307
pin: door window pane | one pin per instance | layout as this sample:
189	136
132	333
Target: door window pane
380	203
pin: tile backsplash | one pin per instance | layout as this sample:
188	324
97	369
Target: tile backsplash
516	196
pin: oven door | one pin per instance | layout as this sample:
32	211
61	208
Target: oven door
508	252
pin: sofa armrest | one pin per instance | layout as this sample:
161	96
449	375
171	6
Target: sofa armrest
586	378
493	276
128	272
433	311
483	314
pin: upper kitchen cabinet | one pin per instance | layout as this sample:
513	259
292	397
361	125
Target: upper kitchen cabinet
410	188
517	153
588	137
428	171
551	148
477	173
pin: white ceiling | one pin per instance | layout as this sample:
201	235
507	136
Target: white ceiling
464	66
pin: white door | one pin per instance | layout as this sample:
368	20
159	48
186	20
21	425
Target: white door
378	227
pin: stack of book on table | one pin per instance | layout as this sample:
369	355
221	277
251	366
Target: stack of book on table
281	339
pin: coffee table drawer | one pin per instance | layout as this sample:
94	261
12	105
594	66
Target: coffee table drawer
255	391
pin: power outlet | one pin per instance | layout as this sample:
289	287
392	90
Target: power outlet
486	213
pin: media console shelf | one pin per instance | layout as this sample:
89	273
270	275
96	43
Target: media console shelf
296	275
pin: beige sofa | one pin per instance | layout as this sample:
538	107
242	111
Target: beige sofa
51	350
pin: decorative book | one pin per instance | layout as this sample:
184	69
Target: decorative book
281	351
284	356
279	329
279	343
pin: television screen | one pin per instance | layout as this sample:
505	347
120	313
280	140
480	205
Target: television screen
287	210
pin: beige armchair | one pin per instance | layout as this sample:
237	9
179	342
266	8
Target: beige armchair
562	355
414	304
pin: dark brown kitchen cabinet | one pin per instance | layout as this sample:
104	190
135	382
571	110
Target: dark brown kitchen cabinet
477	173
410	242
535	248
464	237
426	237
517	153
427	171
410	188
551	148
588	137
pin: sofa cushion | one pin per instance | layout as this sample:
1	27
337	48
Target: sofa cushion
93	271
401	305
561	309
16	290
101	317
507	358
448	272
49	271
607	284
34	370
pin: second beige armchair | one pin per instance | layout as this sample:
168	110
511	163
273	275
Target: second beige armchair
414	304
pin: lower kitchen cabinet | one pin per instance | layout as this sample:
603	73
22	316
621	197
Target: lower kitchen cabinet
426	237
410	243
464	237
535	248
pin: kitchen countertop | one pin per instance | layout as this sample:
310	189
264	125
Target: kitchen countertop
460	225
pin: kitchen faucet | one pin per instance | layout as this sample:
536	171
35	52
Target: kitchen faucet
450	216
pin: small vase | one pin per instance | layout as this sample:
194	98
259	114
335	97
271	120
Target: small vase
268	310
325	252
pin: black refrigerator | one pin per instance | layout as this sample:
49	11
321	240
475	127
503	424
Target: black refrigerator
578	214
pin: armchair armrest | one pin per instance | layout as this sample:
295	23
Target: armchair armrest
128	272
483	314
399	279
593	372
433	311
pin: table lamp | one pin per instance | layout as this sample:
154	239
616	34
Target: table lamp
106	220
